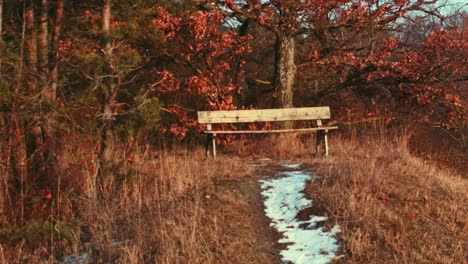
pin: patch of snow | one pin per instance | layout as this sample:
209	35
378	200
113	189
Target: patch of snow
85	257
283	201
73	259
292	166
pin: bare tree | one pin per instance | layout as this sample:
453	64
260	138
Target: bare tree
110	89
50	76
54	49
43	44
30	51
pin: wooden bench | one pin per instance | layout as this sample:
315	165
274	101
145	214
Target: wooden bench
266	115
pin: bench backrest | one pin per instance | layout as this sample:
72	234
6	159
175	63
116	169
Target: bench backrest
264	115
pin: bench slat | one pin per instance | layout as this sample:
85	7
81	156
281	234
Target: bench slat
269	131
263	115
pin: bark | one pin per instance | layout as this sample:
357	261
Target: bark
1	31
17	141
42	45
50	91
34	137
54	50
285	71
110	92
239	79
1	19
30	54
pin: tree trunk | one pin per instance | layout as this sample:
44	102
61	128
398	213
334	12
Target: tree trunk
30	47
42	46
1	35
109	91
285	71
17	140
42	116
54	50
50	89
34	137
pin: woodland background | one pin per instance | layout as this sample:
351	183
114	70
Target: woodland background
87	84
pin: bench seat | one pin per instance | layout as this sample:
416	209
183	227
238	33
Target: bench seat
293	130
316	114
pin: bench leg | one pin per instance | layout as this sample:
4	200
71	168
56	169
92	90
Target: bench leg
325	137
207	145
210	138
318	140
321	136
214	145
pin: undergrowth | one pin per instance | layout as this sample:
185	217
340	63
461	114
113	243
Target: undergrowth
152	212
392	207
165	206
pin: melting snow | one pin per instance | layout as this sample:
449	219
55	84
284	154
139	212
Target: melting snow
72	259
283	200
292	166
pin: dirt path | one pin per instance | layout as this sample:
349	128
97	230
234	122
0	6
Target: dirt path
246	229
246	235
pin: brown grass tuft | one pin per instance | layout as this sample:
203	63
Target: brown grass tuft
392	206
278	146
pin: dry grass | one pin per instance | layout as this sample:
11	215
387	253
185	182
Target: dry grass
277	146
158	209
177	207
392	206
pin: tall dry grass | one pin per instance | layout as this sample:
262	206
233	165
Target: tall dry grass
276	146
154	211
393	207
169	206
